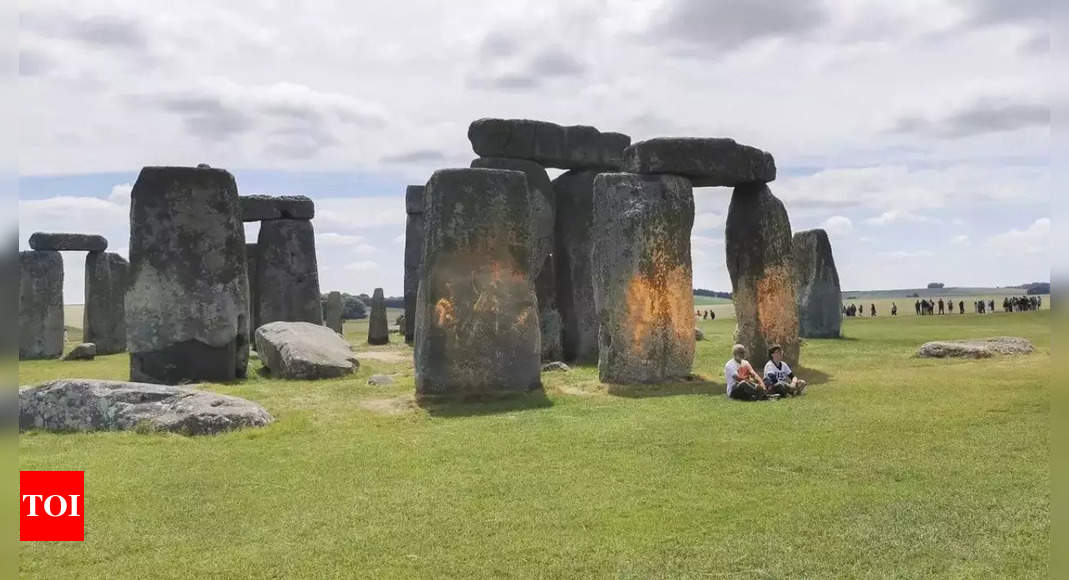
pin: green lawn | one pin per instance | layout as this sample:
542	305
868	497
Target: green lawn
891	466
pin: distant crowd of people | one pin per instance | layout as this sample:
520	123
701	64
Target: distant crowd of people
705	314
859	310
927	307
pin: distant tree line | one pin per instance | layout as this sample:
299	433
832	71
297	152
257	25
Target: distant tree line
1037	287
352	307
935	285
712	293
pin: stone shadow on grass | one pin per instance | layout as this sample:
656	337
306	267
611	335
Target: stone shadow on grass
695	385
475	406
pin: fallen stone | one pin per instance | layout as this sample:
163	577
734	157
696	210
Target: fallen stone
107	276
707	162
413	255
976	348
40	323
84	351
287	273
302	350
698	334
575	289
256	208
92	405
543	212
642	278
378	331
555	366
816	282
332	312
187	305
552	145
758	247
477	330
379	380
68	242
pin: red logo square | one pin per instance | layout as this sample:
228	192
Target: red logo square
51	506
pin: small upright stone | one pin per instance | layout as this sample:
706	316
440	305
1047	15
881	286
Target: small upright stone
413	255
332	312
40	304
477	329
68	242
643	287
251	263
575	288
816	285
287	273
707	162
187	305
104	317
84	351
378	330
571	147
758	246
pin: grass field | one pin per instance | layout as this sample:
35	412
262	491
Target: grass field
890	466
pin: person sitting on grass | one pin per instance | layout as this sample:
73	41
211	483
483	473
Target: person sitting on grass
743	383
779	377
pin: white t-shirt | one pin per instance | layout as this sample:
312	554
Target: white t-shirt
781	374
730	370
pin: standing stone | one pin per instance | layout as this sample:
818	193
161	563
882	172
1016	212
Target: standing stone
575	287
477	329
104	318
758	246
332	312
378	330
643	288
251	265
287	275
40	304
413	255
187	304
543	212
570	147
816	286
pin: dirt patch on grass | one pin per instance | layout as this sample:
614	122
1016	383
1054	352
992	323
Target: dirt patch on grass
391	406
390	356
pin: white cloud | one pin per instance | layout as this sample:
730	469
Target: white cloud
364	249
362	266
895	216
332	239
708	221
905	254
1033	240
960	240
838	225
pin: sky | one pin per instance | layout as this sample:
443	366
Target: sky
916	132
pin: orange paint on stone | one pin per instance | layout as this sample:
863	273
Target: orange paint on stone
777	317
445	315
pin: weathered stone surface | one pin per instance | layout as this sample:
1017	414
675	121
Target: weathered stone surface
698	334
287	274
477	329
707	162
816	286
40	304
568	147
256	208
976	348
332	312
187	304
92	405
379	380
758	246
104	317
84	351
643	288
252	261
555	366
68	242
575	286
378	330
302	350
543	212
413	255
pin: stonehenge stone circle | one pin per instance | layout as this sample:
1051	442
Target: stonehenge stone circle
413	255
573	147
543	212
92	405
302	350
256	208
187	304
287	274
707	162
68	242
758	247
816	286
575	289
40	304
252	267
643	288
332	312
378	329
104	317
477	330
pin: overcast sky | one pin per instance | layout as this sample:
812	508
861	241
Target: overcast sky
916	132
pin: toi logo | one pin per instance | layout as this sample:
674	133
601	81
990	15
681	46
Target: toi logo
51	506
